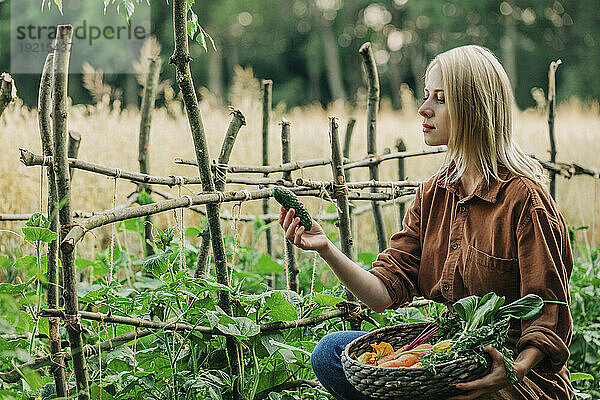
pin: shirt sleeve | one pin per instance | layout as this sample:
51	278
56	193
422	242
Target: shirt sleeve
545	263
398	265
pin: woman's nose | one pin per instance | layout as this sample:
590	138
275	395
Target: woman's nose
425	111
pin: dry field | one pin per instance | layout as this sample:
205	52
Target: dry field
110	136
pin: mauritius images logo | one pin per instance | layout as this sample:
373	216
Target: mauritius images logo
107	39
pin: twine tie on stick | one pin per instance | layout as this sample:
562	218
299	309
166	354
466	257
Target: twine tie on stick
396	212
113	226
219	172
179	180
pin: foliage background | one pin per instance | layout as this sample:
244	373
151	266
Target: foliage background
308	47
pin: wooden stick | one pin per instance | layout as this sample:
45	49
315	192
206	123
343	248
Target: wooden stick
378	158
400	146
267	91
372	107
341	195
291	166
29	159
52	294
147	108
78	230
290	249
181	58
186	327
74	140
89	351
62	53
551	97
357	185
237	121
8	91
300	164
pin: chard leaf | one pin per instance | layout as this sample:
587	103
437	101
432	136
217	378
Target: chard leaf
465	308
525	308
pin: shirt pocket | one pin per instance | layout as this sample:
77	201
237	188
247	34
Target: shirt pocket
484	273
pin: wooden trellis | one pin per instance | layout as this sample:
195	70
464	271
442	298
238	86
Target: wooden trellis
213	178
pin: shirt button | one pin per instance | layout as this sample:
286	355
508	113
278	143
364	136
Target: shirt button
462	208
446	287
454	246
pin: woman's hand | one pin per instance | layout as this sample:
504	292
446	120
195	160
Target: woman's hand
490	383
314	239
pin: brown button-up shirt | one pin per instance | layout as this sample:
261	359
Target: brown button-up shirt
506	237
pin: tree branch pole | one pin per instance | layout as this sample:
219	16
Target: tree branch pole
62	53
89	351
30	159
187	327
372	106
551	98
301	164
378	158
8	91
78	230
181	58
346	154
347	142
45	126
341	196
357	185
74	140
290	249
261	169
147	108
267	90
237	121
400	146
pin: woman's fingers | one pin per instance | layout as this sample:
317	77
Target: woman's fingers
288	218
282	214
298	235
291	230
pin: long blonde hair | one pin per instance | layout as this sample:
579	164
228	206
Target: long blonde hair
479	98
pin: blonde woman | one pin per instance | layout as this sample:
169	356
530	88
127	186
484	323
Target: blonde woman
484	222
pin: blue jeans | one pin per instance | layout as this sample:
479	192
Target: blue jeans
326	361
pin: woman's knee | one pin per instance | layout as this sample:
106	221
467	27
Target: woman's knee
328	350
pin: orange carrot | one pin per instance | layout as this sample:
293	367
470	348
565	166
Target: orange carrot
405	360
391	355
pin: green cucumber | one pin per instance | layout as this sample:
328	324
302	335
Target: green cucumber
288	200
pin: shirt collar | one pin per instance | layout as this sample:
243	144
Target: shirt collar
484	191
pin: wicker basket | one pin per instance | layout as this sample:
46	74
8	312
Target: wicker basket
405	383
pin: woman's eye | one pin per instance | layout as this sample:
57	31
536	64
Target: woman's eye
441	101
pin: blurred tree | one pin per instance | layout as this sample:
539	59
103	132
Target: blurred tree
309	47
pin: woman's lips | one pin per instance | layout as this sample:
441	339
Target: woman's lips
428	128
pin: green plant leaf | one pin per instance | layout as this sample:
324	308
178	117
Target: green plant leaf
39	220
281	309
266	265
527	307
366	258
126	9
35	234
59	5
201	38
326	300
192	231
580	376
144	198
10	289
158	264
